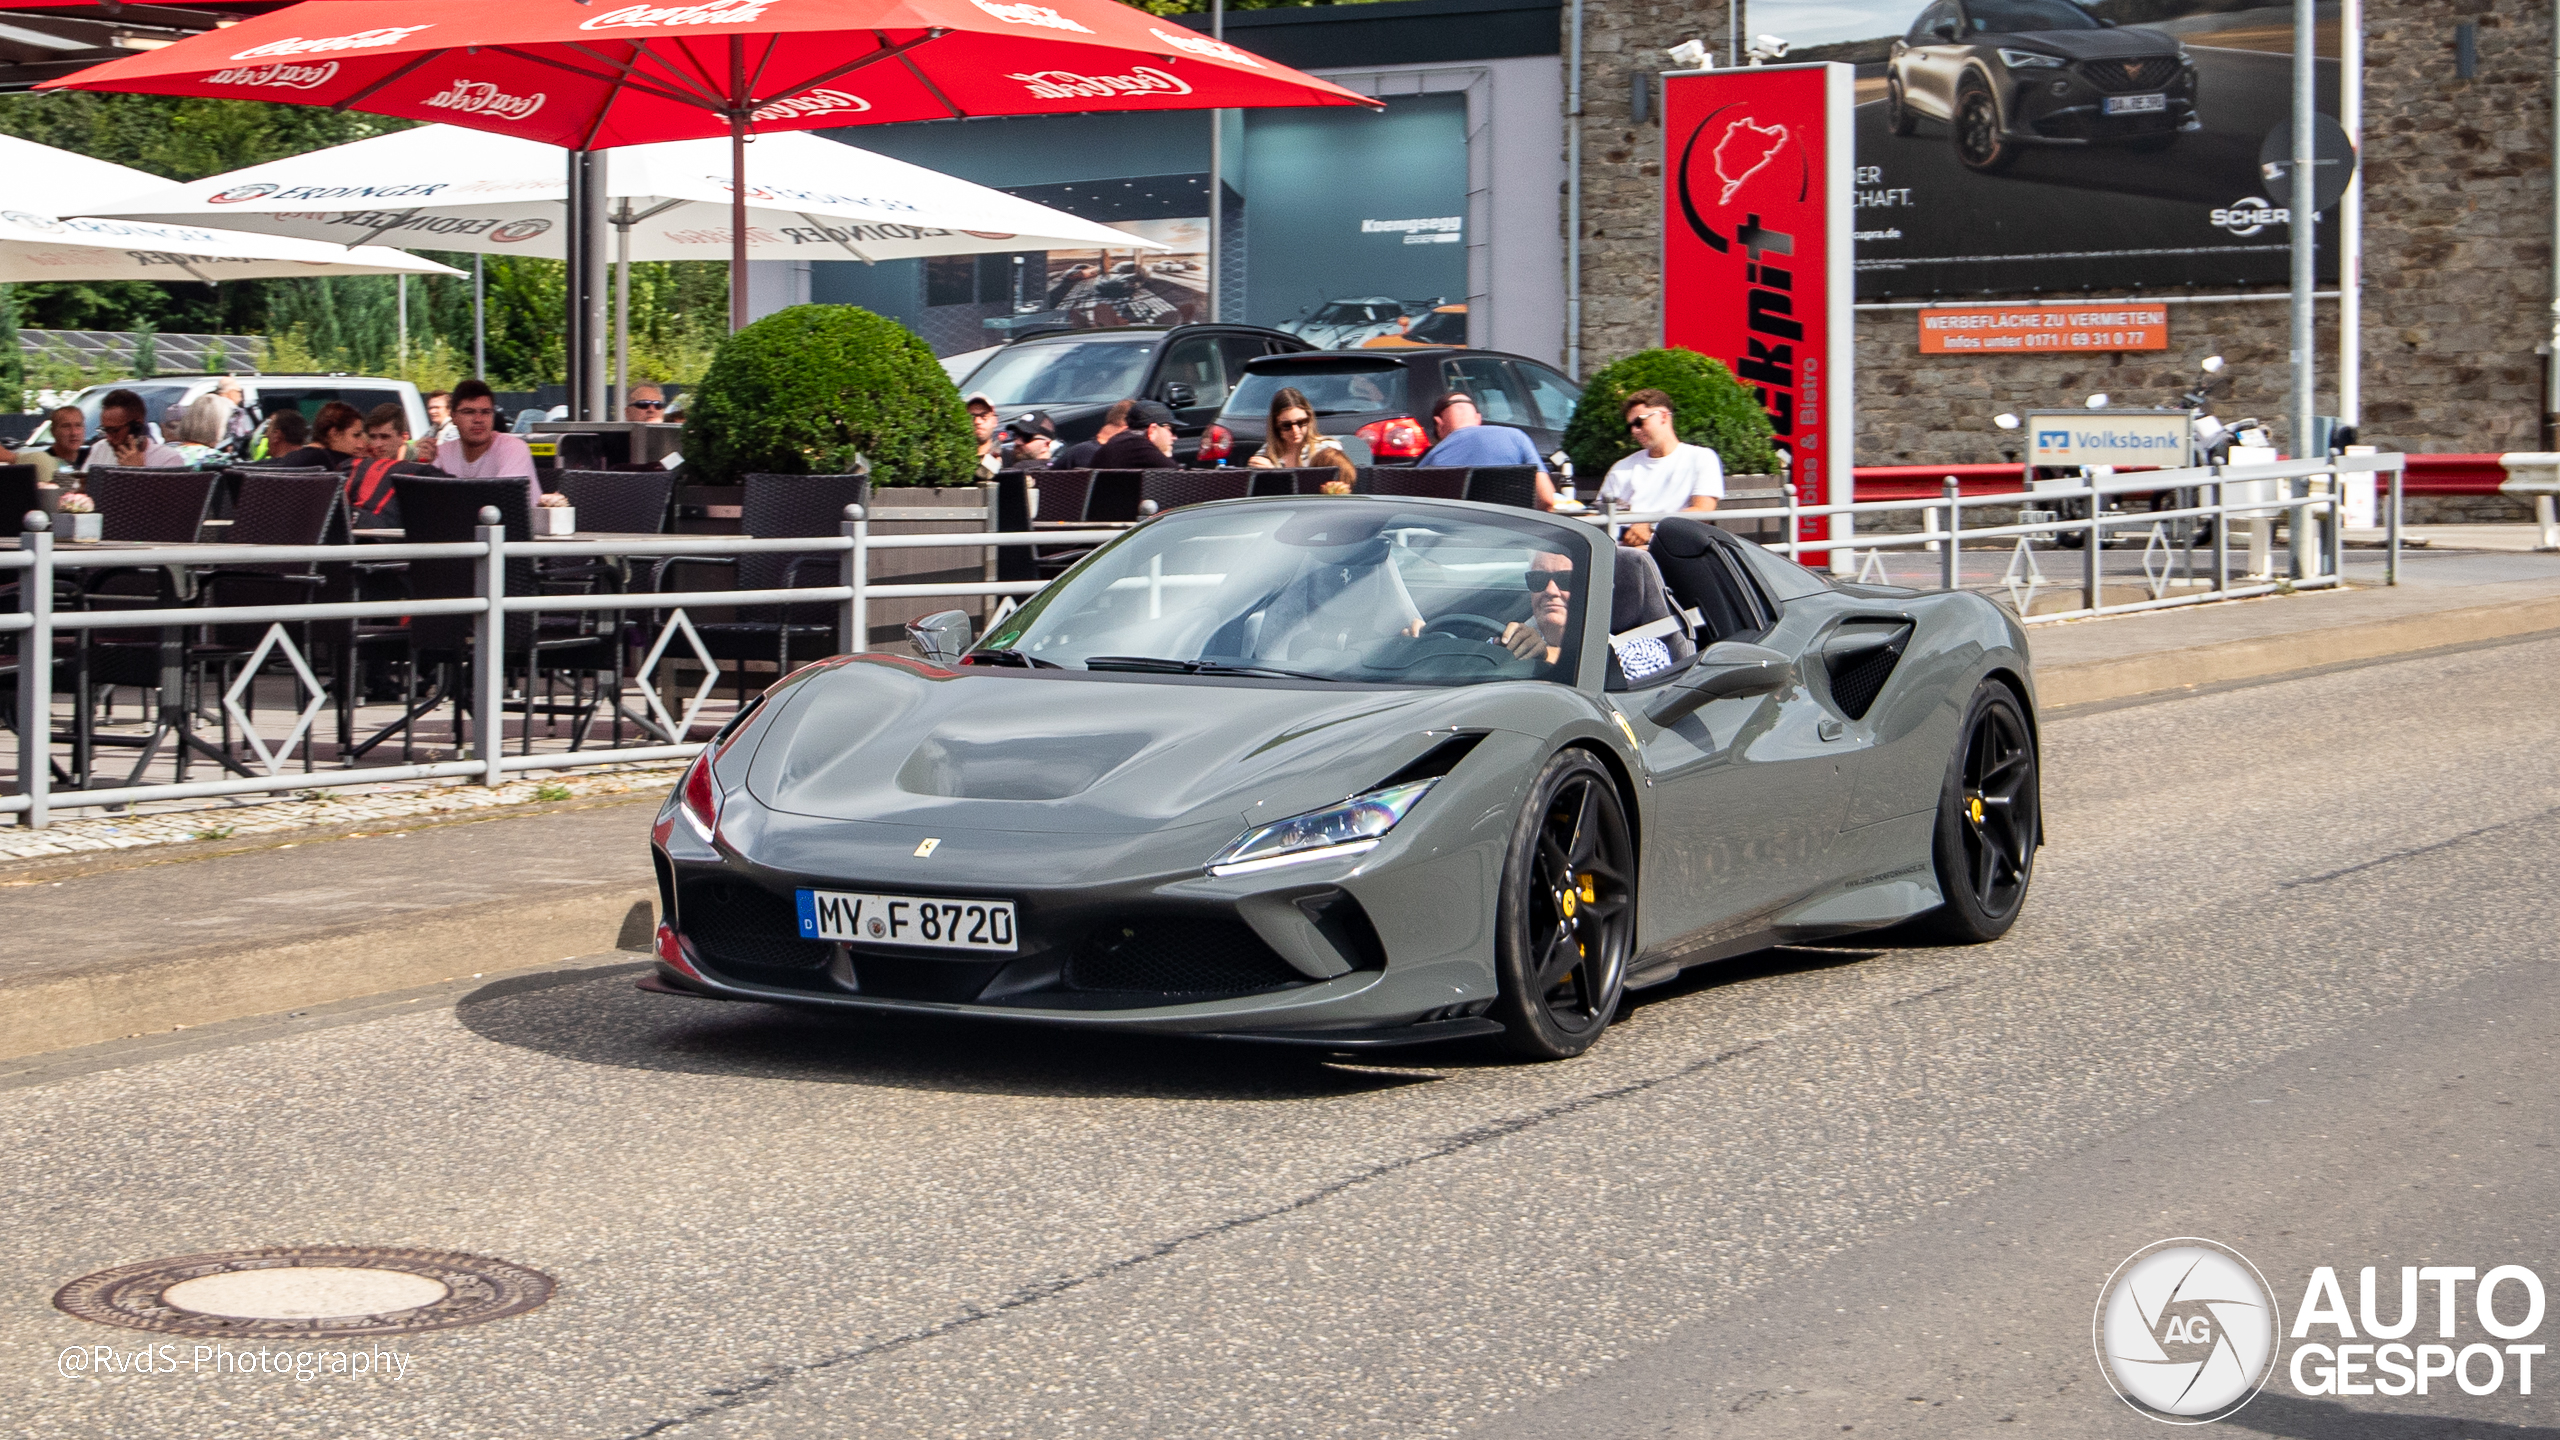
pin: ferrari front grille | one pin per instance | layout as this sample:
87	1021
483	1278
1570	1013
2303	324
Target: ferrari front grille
734	923
1177	955
2126	76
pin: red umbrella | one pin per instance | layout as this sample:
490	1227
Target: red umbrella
593	76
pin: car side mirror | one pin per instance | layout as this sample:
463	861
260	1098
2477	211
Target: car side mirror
1179	395
942	637
1945	30
1728	669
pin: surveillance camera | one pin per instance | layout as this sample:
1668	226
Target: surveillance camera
2005	421
1691	55
2097	401
1768	47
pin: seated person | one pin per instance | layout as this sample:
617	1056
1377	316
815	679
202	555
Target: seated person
370	500
1029	441
337	440
1295	443
70	433
1541	636
286	431
479	450
126	438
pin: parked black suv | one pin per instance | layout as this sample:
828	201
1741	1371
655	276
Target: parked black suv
1073	376
1384	397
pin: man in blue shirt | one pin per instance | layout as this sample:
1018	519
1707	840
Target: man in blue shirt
1466	440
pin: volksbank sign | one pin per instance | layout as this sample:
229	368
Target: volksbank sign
2108	437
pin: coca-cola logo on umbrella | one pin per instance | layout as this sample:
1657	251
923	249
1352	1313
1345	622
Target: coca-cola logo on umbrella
285	77
1068	85
478	97
1040	15
237	193
1203	45
815	102
720	12
519	230
361	40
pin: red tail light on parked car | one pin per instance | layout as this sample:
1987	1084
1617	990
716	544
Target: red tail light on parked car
1217	443
698	799
1401	438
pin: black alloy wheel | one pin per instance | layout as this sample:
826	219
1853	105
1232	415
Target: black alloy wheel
1898	119
1567	918
1979	143
1990	819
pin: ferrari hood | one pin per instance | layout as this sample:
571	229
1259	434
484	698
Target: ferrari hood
902	743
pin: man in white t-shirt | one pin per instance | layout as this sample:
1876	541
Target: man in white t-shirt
1665	475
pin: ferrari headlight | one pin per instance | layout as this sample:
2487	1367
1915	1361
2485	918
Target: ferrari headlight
1350	828
2030	60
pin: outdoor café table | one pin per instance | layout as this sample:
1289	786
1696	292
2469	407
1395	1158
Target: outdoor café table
171	718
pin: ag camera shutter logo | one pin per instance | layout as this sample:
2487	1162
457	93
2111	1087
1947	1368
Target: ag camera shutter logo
2186	1331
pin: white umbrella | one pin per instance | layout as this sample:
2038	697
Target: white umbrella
441	188
41	247
60	182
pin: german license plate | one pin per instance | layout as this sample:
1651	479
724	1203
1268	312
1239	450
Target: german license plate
2136	104
923	921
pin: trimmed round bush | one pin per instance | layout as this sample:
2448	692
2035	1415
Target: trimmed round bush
816	390
1711	407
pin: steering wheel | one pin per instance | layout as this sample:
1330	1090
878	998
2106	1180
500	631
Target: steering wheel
1492	628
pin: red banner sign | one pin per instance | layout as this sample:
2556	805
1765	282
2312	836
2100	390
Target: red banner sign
1755	254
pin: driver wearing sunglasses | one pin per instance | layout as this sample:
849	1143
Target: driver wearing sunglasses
1541	636
646	404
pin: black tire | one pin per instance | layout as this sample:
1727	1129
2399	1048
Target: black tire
1898	119
1566	919
1990	820
1979	142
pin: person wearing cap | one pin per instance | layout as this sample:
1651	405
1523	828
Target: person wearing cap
1146	445
1079	456
1030	439
982	420
1465	440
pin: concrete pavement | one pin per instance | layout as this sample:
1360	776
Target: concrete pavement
775	1225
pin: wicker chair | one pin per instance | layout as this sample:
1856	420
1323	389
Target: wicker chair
1438	482
778	507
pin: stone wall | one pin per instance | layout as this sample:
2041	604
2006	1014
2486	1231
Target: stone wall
2457	257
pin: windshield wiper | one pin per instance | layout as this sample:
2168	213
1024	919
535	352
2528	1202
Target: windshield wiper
1001	656
1158	665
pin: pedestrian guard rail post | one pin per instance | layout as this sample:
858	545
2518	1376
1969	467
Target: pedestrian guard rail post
2226	494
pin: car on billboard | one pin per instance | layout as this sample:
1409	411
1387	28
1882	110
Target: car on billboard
1384	397
1073	376
2005	75
1443	325
1344	324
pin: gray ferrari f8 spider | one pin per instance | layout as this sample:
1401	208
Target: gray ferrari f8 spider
1360	771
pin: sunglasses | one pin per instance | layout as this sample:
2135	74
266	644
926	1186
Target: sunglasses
1538	580
647	404
1637	422
1298	424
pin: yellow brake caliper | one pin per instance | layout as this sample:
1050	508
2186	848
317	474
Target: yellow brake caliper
1973	807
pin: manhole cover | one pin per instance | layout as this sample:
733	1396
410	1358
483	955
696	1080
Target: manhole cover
306	1290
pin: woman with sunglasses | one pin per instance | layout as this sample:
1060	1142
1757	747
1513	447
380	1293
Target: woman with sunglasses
1294	443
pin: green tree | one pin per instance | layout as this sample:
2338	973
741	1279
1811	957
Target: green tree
1713	409
820	389
13	365
146	353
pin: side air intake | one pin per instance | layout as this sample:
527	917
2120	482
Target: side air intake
1858	659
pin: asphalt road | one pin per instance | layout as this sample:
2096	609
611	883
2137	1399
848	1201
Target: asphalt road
2060	215
2284	983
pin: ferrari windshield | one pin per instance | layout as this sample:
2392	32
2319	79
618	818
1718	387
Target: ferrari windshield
1333	589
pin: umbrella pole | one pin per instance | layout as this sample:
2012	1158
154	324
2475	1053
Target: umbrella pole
622	309
737	220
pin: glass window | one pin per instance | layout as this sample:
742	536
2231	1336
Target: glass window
1063	372
1360	590
1556	396
1194	361
1498	392
309	398
1341	387
1925	29
2009	17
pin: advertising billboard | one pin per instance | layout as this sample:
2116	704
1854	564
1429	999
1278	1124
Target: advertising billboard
1099	287
1357	225
2061	329
2009	146
1755	253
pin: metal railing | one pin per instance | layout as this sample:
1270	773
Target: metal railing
38	562
2226	494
